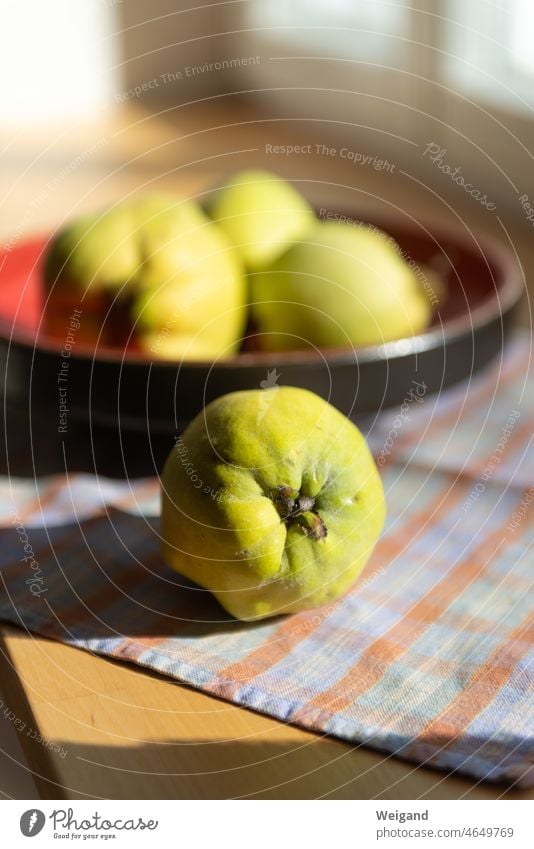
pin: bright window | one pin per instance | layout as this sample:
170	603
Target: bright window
490	51
372	29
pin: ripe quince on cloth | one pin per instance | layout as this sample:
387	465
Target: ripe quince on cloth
272	501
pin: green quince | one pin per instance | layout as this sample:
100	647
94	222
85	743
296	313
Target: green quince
261	213
339	286
179	279
272	501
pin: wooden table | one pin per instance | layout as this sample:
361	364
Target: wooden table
122	732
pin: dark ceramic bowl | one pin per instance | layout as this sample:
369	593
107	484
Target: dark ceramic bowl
123	390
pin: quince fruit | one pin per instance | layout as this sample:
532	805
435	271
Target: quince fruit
170	269
339	286
261	213
272	501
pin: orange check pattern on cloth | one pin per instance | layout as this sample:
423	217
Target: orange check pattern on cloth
429	657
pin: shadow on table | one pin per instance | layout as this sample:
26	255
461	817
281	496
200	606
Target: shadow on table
263	769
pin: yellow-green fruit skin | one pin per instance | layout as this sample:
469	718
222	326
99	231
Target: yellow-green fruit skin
262	214
178	275
191	297
221	519
340	286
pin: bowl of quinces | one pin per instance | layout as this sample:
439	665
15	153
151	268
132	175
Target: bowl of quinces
159	304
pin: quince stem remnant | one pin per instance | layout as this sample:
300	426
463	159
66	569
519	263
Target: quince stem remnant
294	507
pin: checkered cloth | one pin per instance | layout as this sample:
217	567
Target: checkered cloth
428	657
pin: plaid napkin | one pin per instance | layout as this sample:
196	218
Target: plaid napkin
428	657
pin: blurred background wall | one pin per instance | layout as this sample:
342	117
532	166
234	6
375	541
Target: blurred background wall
447	86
